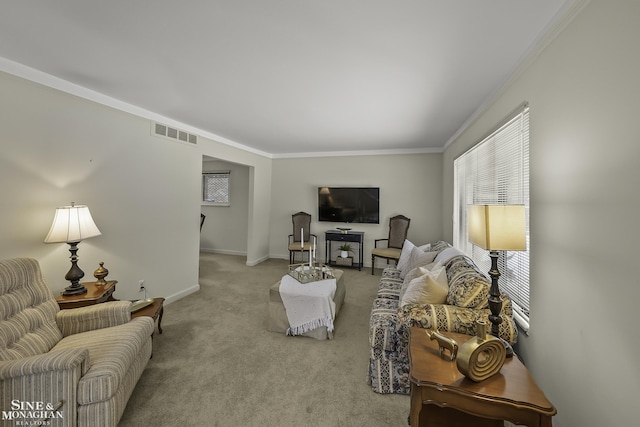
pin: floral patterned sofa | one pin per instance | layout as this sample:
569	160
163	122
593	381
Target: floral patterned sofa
466	302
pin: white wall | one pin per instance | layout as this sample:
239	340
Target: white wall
409	185
225	227
583	92
142	191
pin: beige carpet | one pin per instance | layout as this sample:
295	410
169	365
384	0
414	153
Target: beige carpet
217	365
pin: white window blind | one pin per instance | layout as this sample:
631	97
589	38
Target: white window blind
215	188
496	171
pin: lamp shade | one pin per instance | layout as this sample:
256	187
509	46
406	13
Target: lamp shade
72	224
497	227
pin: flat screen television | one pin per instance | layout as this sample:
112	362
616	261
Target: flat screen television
349	204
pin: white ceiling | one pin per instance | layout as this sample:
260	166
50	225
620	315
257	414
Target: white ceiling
283	77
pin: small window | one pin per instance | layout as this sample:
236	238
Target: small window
215	188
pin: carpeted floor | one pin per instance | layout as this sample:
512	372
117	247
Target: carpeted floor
217	365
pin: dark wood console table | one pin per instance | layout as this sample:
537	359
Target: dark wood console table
350	237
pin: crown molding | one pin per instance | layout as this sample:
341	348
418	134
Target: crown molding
42	78
386	152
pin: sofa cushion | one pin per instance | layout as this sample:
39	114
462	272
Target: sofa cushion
111	353
468	288
428	288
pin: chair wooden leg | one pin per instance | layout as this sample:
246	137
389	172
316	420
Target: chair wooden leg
373	263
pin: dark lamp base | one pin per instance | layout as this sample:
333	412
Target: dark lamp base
508	347
74	290
74	274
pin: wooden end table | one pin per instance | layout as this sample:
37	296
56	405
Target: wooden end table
155	310
442	396
95	294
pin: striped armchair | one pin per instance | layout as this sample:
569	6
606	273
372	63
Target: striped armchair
73	367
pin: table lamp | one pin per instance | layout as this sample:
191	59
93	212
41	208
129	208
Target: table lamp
497	228
71	225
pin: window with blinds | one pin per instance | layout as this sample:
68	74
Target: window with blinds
215	188
496	171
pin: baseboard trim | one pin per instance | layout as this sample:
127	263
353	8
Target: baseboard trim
223	252
253	263
183	293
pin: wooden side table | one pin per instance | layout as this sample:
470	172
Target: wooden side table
442	396
95	294
154	310
98	294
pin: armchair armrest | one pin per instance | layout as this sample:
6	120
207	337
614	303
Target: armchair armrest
51	378
42	363
76	320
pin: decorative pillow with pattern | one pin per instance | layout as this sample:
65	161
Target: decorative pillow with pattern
468	288
439	246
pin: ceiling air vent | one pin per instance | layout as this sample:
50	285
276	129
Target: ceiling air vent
173	133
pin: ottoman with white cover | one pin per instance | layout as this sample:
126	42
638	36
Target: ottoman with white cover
278	320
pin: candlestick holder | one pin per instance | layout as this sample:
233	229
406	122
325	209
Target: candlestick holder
310	272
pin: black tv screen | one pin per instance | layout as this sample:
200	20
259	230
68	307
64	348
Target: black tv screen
349	204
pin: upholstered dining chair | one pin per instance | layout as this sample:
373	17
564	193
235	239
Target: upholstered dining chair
301	228
398	227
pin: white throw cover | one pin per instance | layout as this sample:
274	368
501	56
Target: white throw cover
308	306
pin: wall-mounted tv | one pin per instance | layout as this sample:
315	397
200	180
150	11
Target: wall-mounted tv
349	204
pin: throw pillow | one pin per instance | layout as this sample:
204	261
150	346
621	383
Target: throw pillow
417	258
407	247
430	288
405	255
468	287
447	254
416	272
